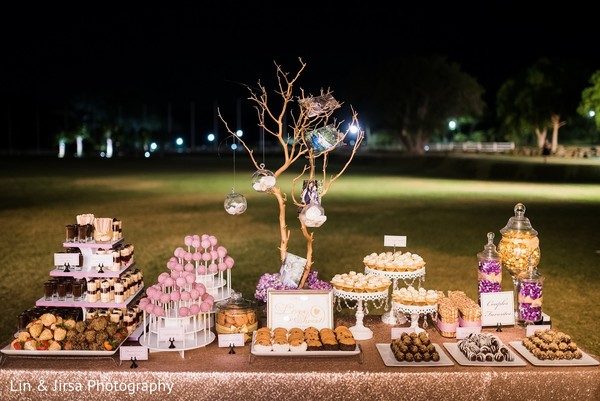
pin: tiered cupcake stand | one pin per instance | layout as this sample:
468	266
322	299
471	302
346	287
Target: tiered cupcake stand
415	312
378	299
409	278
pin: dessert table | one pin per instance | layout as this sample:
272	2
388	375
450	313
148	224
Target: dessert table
213	373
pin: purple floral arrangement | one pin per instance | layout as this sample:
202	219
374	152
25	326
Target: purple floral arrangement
273	281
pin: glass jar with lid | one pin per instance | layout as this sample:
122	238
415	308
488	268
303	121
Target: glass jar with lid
519	243
236	315
530	286
489	276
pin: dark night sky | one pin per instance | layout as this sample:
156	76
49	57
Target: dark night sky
203	51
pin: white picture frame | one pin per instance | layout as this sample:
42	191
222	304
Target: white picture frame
300	308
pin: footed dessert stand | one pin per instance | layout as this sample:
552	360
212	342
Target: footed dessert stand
359	331
408	278
159	334
415	312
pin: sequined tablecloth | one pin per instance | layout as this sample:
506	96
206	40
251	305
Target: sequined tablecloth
212	373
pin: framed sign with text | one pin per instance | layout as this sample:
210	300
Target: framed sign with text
300	308
497	307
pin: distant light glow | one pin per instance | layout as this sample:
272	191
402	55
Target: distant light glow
146	154
353	129
179	141
61	149
153	146
109	148
591	113
234	146
210	137
452	124
239	133
79	140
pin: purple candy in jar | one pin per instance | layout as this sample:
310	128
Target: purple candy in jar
490	268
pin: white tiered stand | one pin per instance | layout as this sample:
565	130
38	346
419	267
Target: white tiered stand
408	278
196	328
359	331
415	312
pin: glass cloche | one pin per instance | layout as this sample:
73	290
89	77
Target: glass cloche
519	242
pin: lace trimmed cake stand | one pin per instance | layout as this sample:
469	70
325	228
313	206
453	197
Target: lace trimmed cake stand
416	312
408	278
359	331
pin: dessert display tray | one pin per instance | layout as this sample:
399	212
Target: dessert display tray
459	357
22	352
84	304
253	351
586	359
390	360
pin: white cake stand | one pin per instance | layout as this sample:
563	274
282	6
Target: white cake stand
415	312
359	331
408	278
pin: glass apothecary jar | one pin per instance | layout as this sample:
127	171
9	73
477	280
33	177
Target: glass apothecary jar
520	244
489	276
530	296
236	315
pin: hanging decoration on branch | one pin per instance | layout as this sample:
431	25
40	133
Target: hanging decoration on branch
323	139
263	180
319	105
235	203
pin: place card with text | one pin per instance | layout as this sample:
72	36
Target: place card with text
497	308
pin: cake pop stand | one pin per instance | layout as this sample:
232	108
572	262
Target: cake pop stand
415	312
359	331
389	317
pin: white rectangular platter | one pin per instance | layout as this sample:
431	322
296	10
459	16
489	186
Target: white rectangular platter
586	359
253	351
459	357
390	360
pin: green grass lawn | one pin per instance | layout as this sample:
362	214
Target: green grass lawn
445	206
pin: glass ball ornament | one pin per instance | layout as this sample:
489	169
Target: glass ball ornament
263	180
235	203
313	215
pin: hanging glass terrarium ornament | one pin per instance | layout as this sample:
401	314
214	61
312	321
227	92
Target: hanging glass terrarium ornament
263	180
313	215
235	203
323	139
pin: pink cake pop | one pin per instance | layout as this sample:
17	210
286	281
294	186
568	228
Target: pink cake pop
143	302
195	294
165	298
168	282
175	296
194	309
201	270
205	307
196	237
222	266
206	256
162	276
188	240
188	267
206	297
181	281
197	256
214	255
171	263
205	237
158	310
149	308
175	274
196	243
183	311
187	256
185	296
229	261
201	288
177	251
190	278
213	240
222	251
205	244
212	268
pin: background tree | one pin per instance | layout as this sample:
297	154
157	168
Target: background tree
590	99
415	96
541	97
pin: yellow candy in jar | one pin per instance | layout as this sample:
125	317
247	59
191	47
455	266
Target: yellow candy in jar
519	247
